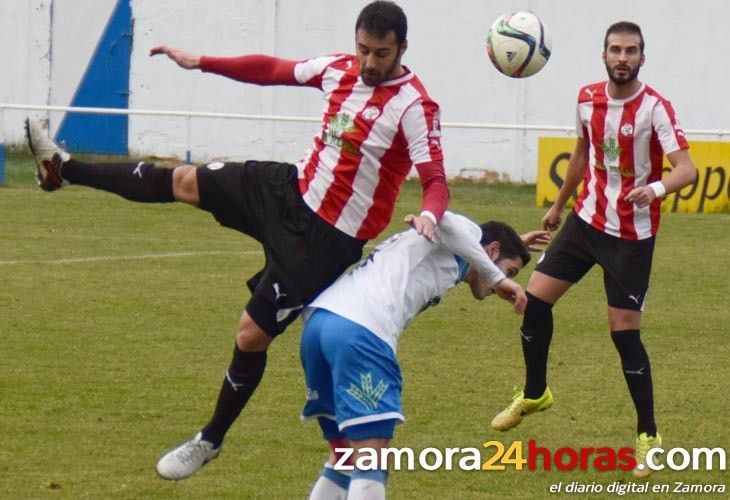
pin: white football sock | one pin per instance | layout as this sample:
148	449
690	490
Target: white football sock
330	485
367	485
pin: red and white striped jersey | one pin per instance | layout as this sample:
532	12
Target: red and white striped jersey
370	139
627	140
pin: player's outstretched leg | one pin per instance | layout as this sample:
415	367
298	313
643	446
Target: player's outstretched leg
138	181
48	156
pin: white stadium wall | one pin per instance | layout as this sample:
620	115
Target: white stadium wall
52	49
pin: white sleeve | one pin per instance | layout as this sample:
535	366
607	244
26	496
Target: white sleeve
305	71
667	128
578	122
461	236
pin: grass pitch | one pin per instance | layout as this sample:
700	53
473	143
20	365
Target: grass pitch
118	321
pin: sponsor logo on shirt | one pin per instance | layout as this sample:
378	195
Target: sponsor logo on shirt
610	149
340	124
623	172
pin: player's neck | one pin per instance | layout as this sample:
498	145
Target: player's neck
622	91
397	72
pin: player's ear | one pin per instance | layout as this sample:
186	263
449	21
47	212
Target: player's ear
403	47
493	250
641	63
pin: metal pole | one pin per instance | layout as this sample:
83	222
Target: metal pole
188	135
2	146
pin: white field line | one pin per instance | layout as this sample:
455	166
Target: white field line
102	258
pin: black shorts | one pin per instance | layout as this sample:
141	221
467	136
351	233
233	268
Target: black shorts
626	264
304	254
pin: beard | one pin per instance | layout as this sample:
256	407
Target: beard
375	78
623	80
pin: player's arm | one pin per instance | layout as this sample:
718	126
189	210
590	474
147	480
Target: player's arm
434	201
461	237
505	288
683	174
421	129
255	68
574	175
674	143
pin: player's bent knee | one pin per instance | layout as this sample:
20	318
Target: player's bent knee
185	185
623	319
250	336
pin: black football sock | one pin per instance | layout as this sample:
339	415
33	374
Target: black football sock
637	372
536	334
242	378
134	181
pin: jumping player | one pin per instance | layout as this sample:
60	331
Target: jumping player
311	218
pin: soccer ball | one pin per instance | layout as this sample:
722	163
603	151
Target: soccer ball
518	44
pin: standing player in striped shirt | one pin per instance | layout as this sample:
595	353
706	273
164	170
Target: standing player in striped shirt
312	218
624	129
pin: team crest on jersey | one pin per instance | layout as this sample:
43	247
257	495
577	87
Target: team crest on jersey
367	394
627	129
370	113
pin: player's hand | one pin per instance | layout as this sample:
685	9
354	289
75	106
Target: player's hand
535	241
513	293
423	226
183	59
641	196
551	221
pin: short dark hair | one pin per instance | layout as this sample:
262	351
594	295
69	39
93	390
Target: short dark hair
380	17
510	243
624	27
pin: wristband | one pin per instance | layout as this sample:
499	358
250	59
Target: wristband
429	215
658	188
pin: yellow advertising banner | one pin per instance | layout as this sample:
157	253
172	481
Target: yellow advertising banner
710	192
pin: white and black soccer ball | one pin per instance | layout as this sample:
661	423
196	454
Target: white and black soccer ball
518	44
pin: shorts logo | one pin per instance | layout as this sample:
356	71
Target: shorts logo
367	394
282	313
138	171
216	165
312	395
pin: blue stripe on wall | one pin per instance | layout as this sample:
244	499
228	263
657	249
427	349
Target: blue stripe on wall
105	85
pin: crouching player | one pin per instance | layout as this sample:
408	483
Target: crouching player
351	333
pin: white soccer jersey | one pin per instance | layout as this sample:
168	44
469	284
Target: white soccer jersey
405	274
370	139
627	140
